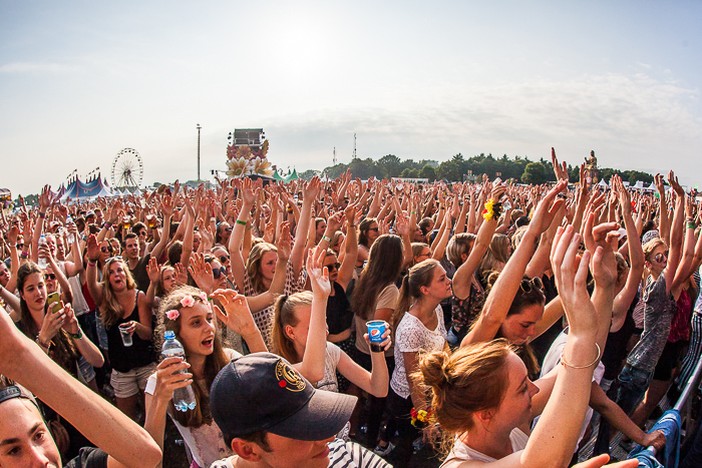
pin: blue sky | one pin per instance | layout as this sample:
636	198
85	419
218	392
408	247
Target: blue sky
81	80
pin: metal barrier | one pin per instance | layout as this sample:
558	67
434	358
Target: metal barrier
684	405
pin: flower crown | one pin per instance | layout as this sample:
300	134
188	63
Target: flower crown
187	301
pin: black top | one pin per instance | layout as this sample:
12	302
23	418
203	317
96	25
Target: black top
615	352
89	457
339	313
141	276
122	358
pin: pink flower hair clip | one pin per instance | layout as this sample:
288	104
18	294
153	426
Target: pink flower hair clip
187	301
173	314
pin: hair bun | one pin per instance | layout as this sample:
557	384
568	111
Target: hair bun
433	369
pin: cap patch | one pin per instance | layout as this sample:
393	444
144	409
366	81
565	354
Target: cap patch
288	378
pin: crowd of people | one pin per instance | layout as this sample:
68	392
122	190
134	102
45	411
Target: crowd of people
513	318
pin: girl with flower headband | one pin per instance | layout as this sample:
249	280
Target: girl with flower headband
187	312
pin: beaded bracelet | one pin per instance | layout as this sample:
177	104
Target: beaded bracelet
567	364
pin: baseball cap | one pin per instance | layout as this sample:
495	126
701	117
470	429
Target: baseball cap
262	392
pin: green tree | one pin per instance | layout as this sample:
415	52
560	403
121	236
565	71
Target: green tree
390	165
535	173
428	172
409	172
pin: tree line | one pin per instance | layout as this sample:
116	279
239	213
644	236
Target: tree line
458	168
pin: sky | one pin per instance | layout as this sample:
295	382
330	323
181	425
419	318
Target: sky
81	80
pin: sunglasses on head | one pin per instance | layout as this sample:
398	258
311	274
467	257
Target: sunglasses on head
527	285
49	276
217	272
333	266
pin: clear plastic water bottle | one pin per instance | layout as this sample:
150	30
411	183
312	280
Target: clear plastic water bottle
183	398
71	238
41	261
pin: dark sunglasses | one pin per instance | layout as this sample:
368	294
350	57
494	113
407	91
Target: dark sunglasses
20	246
224	258
217	272
105	249
661	257
49	276
527	285
333	266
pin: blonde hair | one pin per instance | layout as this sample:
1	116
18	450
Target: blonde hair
284	315
110	309
253	264
458	245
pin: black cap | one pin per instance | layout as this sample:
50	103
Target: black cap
262	392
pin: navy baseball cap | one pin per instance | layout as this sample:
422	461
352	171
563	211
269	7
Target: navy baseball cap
262	392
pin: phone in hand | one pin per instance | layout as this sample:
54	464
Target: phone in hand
53	301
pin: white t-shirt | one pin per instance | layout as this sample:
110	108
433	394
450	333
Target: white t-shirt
461	452
331	361
206	443
553	359
412	336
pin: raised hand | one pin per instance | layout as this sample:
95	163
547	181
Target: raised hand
236	314
284	242
93	249
559	170
50	326
153	270
201	272
318	273
547	208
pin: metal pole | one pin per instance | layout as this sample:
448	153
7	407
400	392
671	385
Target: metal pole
198	151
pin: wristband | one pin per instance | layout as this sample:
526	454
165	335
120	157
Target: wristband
76	336
91	263
691	225
326	238
42	345
42	215
107	225
243	223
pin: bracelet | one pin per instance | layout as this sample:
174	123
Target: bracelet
107	225
243	223
326	238
91	263
42	215
492	210
597	358
420	418
76	336
42	345
691	225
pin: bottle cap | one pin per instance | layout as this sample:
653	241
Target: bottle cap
169	335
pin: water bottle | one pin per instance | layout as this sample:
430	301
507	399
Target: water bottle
71	237
183	398
41	261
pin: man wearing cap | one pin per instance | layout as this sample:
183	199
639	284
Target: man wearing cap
271	416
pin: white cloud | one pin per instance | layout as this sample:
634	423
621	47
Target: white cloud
36	67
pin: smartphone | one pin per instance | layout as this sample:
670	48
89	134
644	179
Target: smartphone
53	301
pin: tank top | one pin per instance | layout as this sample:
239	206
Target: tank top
339	313
140	354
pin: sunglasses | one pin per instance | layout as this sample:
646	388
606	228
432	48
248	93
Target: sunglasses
661	257
217	272
106	249
224	258
373	229
49	276
333	266
528	285
19	246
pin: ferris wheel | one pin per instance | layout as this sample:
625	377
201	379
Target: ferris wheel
127	169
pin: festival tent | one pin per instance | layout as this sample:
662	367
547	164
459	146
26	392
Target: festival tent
292	176
603	184
278	177
79	190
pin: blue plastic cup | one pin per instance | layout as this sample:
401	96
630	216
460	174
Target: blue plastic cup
376	328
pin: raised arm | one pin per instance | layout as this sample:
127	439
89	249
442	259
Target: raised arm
310	193
505	288
248	195
312	365
126	443
94	287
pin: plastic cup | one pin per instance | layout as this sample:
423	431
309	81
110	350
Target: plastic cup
376	328
126	336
